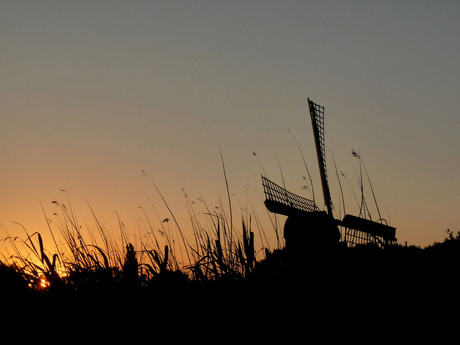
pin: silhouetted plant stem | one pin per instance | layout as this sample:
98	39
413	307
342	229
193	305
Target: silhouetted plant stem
340	183
184	240
305	164
229	200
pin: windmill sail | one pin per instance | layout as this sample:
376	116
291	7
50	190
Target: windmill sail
317	120
279	200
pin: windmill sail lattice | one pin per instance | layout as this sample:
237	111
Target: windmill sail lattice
317	119
279	200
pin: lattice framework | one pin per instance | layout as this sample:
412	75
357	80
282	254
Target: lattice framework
280	199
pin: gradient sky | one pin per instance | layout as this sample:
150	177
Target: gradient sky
93	92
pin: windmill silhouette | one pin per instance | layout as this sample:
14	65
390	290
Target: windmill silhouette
307	226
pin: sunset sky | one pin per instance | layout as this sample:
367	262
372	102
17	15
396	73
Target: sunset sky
92	93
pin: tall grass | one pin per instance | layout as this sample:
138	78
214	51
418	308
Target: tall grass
214	246
88	257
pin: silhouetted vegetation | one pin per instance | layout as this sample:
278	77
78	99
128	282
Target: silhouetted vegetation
220	263
367	268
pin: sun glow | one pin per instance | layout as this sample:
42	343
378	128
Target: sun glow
44	284
40	284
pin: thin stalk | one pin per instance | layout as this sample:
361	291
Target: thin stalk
340	184
373	194
360	180
151	228
49	228
281	171
184	240
260	228
229	199
305	163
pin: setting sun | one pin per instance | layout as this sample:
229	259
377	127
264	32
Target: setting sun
44	283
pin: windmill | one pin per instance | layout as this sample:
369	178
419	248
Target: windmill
309	226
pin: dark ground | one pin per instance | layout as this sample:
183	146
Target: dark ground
394	278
